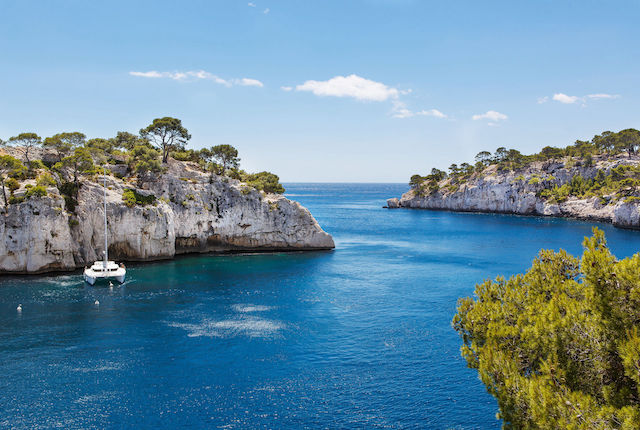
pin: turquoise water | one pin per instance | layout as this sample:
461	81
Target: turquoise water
357	337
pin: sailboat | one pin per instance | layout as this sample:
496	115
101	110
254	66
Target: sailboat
105	269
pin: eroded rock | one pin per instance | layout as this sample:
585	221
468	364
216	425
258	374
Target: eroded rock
194	212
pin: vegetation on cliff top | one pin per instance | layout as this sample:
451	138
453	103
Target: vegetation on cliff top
66	157
559	347
620	183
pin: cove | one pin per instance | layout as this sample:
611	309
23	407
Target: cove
355	337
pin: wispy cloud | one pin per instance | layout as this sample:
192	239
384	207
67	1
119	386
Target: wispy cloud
250	4
493	116
247	82
195	75
352	86
567	99
603	96
400	110
285	88
266	11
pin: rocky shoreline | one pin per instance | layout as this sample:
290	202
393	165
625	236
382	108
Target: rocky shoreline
519	192
192	212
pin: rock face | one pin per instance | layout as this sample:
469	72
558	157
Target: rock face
393	203
518	193
193	213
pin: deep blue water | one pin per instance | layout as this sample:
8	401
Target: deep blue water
357	337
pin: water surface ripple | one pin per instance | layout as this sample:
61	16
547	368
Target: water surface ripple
358	337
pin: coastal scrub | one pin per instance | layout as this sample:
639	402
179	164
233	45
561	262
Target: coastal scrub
559	346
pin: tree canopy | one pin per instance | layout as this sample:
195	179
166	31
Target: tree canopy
144	160
78	162
75	156
129	141
64	143
559	347
580	153
265	181
167	134
628	140
224	155
26	142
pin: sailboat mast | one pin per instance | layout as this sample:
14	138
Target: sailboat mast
104	189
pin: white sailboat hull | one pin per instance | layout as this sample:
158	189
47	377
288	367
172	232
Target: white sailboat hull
99	271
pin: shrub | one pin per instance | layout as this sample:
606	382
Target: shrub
12	184
15	199
36	164
131	198
69	191
588	160
13	167
37	191
45	179
534	181
186	155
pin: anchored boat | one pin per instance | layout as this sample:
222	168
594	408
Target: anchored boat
105	269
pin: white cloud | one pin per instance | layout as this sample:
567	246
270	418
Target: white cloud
266	11
250	4
563	98
566	99
363	89
247	82
182	76
603	96
350	86
543	99
431	112
491	115
400	110
151	74
194	75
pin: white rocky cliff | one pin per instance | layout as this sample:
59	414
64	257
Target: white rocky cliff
519	192
193	212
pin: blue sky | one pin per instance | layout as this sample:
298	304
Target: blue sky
350	90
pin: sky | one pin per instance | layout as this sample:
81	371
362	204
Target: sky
331	90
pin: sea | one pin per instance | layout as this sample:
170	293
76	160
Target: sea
357	337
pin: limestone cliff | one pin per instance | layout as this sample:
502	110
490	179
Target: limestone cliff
522	192
193	212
